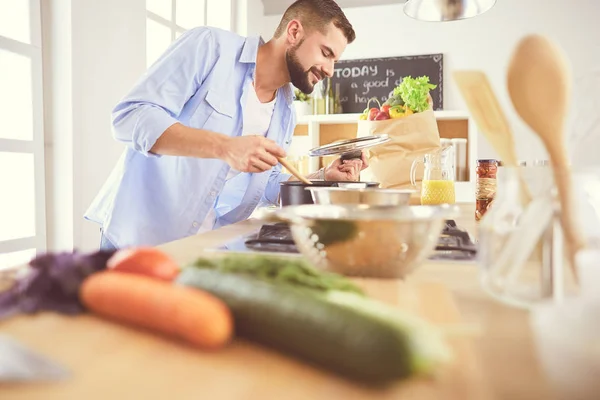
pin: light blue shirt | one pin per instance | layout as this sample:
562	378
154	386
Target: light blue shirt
201	81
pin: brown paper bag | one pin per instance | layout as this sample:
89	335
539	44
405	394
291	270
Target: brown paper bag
411	138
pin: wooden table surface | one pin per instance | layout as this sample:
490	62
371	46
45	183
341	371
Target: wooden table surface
504	351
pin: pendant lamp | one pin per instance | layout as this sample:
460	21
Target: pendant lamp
446	10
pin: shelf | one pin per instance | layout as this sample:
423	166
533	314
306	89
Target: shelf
352	118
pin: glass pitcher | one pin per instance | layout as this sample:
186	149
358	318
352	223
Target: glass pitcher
437	186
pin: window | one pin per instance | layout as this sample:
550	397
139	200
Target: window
22	205
168	19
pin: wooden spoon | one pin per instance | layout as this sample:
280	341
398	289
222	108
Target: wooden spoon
539	84
293	170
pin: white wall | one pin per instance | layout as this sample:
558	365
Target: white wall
485	43
255	18
96	51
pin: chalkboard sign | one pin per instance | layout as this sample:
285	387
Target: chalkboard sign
361	80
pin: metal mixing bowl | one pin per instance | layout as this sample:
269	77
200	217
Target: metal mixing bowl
368	196
366	241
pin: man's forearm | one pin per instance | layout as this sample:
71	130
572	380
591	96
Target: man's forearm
180	140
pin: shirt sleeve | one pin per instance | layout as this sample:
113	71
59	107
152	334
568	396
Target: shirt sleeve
156	100
272	190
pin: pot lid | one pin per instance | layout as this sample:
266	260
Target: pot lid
349	146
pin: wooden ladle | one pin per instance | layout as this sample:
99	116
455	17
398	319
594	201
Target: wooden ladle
293	170
539	84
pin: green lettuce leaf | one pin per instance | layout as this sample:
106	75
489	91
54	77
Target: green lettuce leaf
414	92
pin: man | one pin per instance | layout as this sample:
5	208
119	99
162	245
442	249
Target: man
205	124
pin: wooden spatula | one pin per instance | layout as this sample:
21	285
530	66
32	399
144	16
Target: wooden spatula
485	109
489	117
293	170
539	84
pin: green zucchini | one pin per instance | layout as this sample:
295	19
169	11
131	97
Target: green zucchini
302	323
281	270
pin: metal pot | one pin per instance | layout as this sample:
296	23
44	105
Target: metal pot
367	196
294	193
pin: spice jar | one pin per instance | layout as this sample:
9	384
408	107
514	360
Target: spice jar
485	189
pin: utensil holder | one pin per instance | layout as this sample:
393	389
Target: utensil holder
520	246
521	249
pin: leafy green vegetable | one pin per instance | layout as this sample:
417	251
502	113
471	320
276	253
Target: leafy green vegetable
300	96
281	270
395	100
52	283
414	92
331	231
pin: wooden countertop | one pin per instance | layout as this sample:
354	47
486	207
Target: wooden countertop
504	350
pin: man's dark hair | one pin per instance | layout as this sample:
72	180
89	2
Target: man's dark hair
316	15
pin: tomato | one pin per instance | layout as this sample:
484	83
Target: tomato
373	113
382	115
386	108
147	261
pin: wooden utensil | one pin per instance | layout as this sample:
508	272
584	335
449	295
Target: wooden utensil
489	117
539	84
487	113
293	170
491	120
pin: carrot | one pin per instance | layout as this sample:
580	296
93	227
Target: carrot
177	311
144	261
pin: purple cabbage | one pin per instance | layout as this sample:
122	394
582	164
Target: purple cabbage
52	284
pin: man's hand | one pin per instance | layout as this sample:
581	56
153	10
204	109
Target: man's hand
347	170
251	153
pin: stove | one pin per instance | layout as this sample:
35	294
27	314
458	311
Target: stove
454	244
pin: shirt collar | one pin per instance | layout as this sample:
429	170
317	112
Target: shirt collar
250	49
248	56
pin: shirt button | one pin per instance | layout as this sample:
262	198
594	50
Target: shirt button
195	224
213	194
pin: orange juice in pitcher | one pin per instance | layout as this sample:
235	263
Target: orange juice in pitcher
437	192
437	186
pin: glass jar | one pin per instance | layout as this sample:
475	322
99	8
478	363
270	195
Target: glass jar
521	253
437	186
485	186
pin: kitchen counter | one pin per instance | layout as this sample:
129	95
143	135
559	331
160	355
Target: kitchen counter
112	361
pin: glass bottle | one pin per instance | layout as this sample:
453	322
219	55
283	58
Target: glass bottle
318	99
329	98
485	186
337	102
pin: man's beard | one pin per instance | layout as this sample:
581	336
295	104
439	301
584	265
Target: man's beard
298	76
